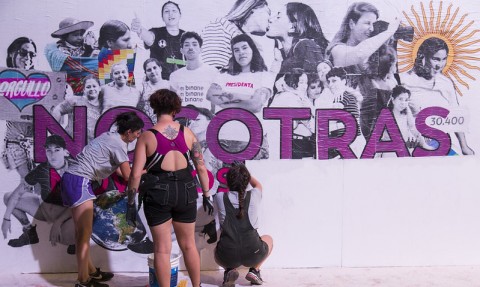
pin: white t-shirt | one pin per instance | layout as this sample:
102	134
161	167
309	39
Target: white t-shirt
148	90
244	84
192	85
253	208
438	91
101	157
297	99
112	97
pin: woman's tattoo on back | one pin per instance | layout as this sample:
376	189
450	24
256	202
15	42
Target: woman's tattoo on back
170	132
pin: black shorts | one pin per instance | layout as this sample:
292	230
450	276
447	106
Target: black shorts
236	257
174	196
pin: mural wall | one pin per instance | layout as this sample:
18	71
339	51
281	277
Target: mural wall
311	81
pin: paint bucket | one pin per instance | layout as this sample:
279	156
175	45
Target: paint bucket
174	262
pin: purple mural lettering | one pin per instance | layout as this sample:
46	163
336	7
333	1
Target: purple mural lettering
443	139
385	126
44	122
341	142
107	119
286	117
254	128
221	173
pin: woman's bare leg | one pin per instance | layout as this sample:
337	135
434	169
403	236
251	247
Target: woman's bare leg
186	240
83	218
269	240
162	240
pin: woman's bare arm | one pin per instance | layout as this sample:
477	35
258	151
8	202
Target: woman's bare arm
255	183
197	157
344	55
138	167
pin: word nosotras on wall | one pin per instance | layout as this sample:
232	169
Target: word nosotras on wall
260	81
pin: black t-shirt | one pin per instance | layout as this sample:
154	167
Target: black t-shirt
166	49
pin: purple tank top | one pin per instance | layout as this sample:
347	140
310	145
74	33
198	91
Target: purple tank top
165	145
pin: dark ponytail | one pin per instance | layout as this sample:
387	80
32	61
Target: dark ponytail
238	178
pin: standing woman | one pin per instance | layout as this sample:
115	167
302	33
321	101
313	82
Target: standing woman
164	42
153	82
99	159
166	151
240	244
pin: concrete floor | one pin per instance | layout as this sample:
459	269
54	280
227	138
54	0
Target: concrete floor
465	276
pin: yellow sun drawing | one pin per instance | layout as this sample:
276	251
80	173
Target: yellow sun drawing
449	29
